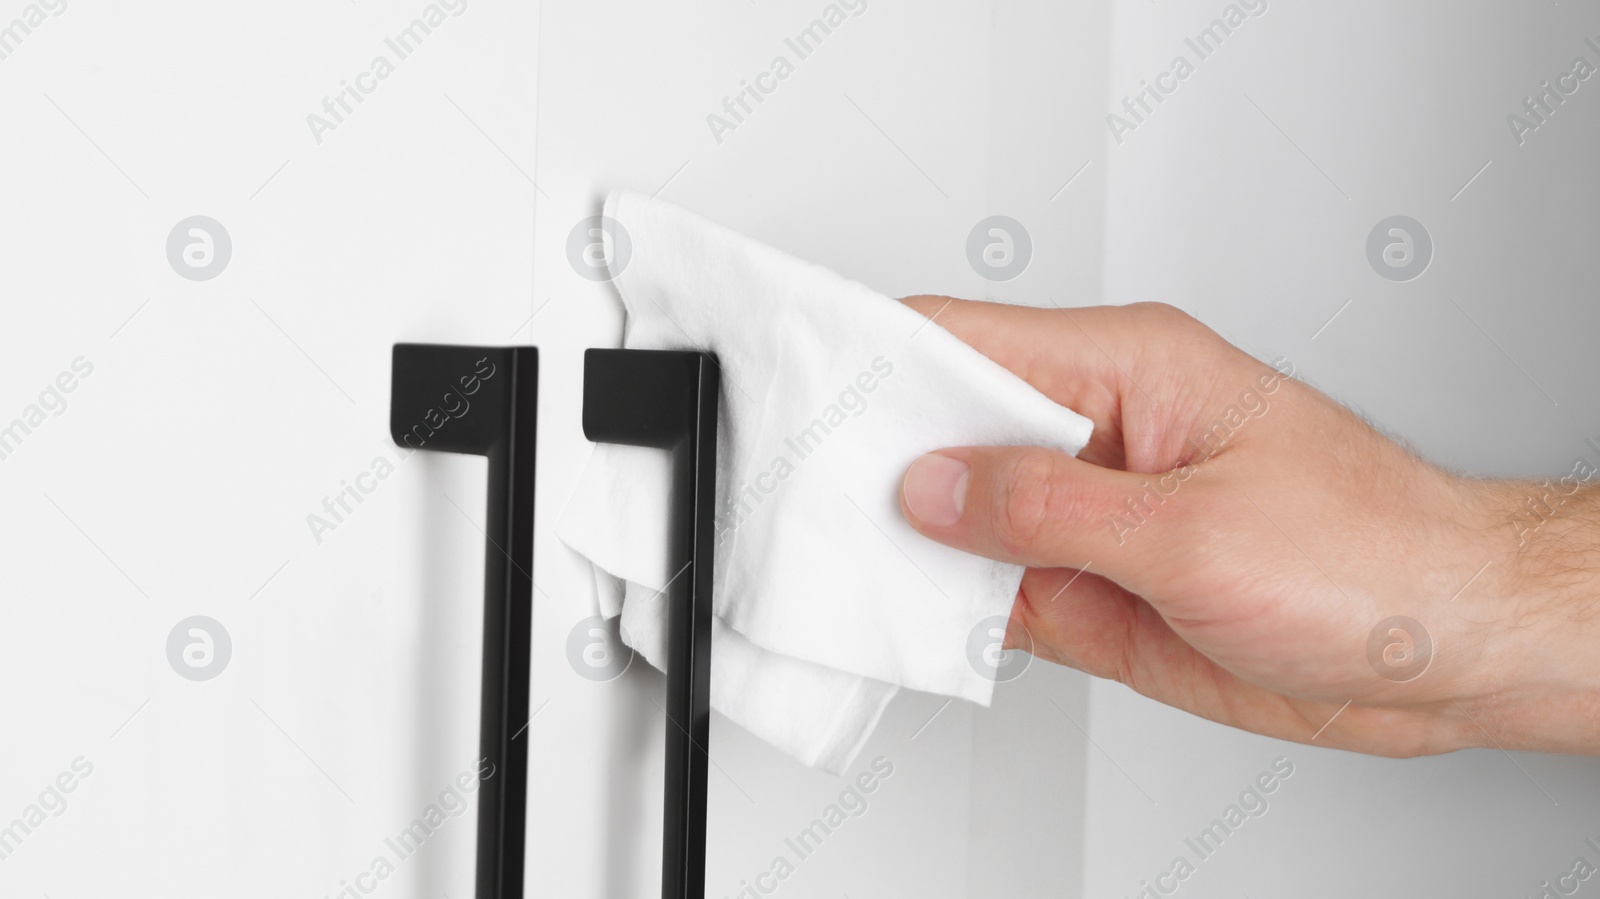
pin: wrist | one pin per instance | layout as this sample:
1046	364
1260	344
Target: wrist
1536	605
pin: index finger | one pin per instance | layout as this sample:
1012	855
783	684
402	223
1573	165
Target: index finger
1069	355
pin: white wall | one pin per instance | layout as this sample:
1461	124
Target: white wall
1214	208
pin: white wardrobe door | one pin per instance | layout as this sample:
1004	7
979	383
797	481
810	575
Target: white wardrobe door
223	451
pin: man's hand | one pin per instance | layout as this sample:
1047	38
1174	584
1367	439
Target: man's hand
1234	543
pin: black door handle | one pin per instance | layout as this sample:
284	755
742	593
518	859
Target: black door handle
668	400
484	401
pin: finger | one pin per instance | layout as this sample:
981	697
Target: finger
1053	348
1074	617
1087	622
1088	359
1044	346
1046	509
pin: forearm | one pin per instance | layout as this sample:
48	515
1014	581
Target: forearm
1544	617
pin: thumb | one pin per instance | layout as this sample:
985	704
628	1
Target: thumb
1045	509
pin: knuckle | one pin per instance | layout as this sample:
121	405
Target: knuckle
1164	318
1166	313
1029	499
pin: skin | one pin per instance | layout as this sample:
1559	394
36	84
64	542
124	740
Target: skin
1231	539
